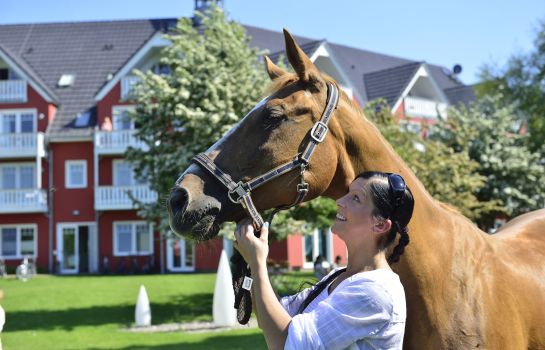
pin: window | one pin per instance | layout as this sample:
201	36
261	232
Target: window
76	174
17	121
132	238
124	174
17	176
121	118
17	241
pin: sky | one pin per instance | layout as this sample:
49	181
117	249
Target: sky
444	32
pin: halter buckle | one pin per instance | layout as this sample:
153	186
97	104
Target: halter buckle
318	132
302	187
239	190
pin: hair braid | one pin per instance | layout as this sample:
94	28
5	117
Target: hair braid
400	247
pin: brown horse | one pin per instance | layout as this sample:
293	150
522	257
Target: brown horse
465	289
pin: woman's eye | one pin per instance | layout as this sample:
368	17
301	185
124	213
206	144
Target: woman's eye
356	198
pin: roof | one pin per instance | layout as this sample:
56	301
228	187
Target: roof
89	50
461	95
29	72
93	51
389	83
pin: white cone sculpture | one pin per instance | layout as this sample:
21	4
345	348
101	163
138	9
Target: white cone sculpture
223	310
142	312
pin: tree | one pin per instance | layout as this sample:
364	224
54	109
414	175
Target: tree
522	84
212	84
488	132
447	173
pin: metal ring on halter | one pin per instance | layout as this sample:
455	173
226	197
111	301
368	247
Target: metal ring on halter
239	190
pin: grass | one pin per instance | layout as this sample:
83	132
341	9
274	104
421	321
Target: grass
91	312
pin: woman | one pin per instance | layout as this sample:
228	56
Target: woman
361	306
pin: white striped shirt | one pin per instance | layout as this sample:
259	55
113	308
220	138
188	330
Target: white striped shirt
365	311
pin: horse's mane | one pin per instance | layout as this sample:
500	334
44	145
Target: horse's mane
347	102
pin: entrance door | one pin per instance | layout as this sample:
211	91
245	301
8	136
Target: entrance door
77	248
180	255
69	243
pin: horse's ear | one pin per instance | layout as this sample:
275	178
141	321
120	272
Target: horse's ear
303	66
273	70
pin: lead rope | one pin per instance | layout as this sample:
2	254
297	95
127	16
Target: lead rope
242	280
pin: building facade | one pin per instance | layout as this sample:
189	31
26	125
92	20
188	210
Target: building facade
65	187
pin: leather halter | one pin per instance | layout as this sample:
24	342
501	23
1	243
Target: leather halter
240	192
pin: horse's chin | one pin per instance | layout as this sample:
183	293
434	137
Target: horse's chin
203	229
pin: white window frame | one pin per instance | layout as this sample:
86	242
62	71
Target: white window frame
18	255
115	175
18	113
116	110
18	175
68	177
133	251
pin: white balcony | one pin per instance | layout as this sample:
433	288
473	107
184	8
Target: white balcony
20	145
116	141
13	91
117	197
420	107
127	86
23	201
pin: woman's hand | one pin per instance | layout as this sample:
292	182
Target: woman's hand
253	249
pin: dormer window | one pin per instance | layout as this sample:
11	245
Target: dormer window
161	69
4	74
66	80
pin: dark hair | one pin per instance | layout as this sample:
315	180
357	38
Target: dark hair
386	207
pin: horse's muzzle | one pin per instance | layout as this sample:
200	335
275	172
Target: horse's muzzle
193	217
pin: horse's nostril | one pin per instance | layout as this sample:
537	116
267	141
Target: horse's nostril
178	201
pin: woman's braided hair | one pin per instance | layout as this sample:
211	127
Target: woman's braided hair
399	212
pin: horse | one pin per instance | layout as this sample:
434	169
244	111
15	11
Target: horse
465	289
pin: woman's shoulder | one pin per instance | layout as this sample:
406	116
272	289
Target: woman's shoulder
381	286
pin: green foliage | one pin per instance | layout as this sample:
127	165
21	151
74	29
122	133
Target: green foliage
522	83
212	85
489	133
448	174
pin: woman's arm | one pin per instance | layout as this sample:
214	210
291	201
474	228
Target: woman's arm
272	317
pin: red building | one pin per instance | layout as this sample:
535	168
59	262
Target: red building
64	95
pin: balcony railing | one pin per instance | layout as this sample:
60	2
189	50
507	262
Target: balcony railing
127	86
13	91
118	198
23	201
420	107
24	144
116	141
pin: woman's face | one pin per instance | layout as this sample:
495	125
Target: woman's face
354	212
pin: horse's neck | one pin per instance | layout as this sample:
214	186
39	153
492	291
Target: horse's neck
438	234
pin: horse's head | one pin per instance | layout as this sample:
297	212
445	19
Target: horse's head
274	132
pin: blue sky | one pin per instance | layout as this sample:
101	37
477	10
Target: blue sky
468	32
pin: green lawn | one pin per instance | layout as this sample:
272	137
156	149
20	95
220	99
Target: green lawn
90	312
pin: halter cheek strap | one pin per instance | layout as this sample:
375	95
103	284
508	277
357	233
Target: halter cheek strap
240	192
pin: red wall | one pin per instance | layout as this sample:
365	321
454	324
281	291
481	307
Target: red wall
339	248
278	252
41	220
36	101
106	248
68	200
295	250
207	254
104	106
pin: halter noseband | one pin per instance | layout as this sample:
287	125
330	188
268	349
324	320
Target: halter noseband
240	192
